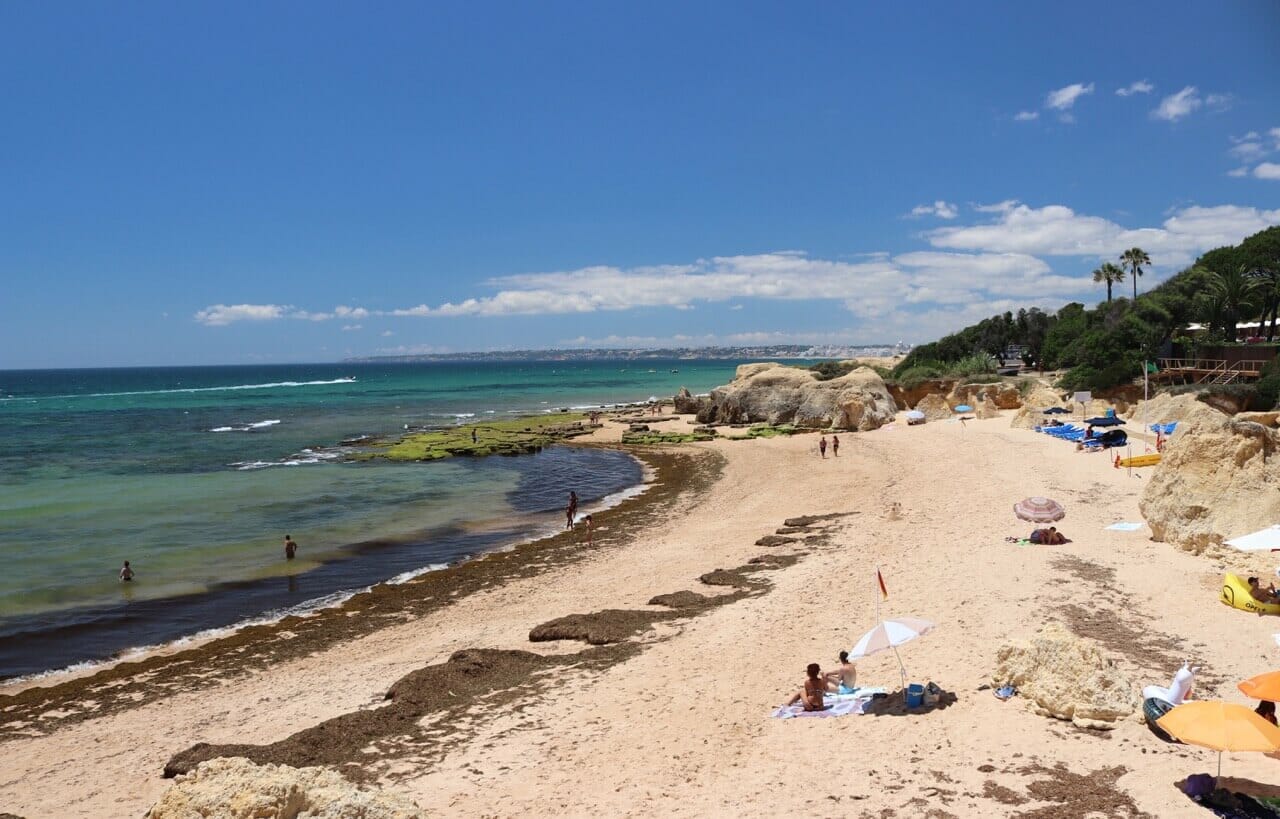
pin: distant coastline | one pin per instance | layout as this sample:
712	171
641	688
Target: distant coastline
760	352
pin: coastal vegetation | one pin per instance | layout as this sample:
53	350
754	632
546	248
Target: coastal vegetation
1107	345
515	436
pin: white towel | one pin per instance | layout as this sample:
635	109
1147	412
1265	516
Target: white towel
840	707
1125	527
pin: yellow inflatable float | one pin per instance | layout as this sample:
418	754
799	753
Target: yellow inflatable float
1139	460
1235	593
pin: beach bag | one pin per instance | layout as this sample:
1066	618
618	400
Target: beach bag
1198	785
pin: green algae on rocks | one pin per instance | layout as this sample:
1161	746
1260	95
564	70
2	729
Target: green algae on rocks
516	436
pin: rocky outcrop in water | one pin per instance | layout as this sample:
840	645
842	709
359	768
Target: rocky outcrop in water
235	788
774	394
1066	677
1219	478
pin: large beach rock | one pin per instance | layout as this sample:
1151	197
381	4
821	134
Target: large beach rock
235	788
934	407
1038	399
775	394
987	408
1219	477
685	403
1067	677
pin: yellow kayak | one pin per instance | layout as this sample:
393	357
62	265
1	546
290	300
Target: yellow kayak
1139	460
1235	593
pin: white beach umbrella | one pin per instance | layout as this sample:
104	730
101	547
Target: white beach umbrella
1264	540
889	635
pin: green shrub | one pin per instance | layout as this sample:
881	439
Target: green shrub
916	376
1268	386
977	364
827	370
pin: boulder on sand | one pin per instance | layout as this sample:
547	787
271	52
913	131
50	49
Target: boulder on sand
934	407
1218	478
1003	394
774	394
1066	677
235	788
685	403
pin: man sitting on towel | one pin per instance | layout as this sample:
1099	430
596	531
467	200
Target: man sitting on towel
845	680
811	695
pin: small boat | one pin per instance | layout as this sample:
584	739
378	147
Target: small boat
675	371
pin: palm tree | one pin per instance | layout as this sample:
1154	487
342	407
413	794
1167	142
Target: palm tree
1235	293
1110	274
1134	258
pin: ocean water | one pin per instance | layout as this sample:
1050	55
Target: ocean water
195	475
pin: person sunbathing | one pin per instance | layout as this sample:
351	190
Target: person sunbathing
1267	594
1048	537
811	695
844	681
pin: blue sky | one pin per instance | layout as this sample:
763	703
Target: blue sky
274	182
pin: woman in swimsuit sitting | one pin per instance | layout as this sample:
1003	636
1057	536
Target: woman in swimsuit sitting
811	695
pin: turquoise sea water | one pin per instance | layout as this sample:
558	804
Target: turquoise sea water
196	474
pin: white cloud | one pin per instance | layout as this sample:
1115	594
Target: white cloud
1267	170
997	207
1056	230
1219	102
387	334
1139	87
1274	133
1241	171
1248	150
941	209
348	328
1176	106
218	315
1026	116
736	307
1063	98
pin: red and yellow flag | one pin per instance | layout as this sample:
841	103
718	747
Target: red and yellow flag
884	592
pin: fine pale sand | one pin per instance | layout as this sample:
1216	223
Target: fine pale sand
683	727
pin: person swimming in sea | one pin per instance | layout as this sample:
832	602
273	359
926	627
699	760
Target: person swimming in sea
290	548
126	573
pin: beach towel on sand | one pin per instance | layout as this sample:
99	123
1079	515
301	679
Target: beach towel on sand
839	708
1124	527
842	705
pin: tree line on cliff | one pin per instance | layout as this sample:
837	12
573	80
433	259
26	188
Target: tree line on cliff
1107	345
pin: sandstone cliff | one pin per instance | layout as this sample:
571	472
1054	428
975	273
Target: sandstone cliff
775	394
1219	478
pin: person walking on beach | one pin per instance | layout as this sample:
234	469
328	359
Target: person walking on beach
590	526
126	573
835	446
290	548
822	447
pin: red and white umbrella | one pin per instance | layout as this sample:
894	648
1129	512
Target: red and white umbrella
1039	510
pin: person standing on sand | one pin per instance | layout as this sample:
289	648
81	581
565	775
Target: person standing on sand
126	573
822	447
835	446
571	511
590	526
290	548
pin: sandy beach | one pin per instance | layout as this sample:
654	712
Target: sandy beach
675	720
